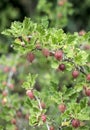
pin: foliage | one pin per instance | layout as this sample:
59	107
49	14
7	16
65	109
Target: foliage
44	72
56	85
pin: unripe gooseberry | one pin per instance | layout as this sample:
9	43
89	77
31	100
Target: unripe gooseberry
61	3
11	86
43	105
4	83
62	67
30	94
6	69
58	55
5	93
51	128
75	74
45	52
43	117
88	77
13	121
62	107
19	114
75	123
30	57
87	92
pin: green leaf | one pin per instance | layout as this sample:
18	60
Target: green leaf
45	22
30	81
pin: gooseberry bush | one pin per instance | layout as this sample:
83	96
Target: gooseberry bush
56	85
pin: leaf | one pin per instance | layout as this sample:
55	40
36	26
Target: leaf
83	102
45	22
30	81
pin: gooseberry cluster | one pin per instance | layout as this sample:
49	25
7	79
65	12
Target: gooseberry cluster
59	56
66	52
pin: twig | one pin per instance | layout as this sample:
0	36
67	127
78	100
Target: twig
38	100
39	103
80	68
47	126
10	77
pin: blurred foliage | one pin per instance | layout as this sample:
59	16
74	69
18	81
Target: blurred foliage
8	13
80	18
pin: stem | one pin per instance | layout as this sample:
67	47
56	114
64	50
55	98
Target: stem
10	77
47	126
38	100
11	73
39	103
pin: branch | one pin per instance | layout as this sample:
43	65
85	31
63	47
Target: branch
80	68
